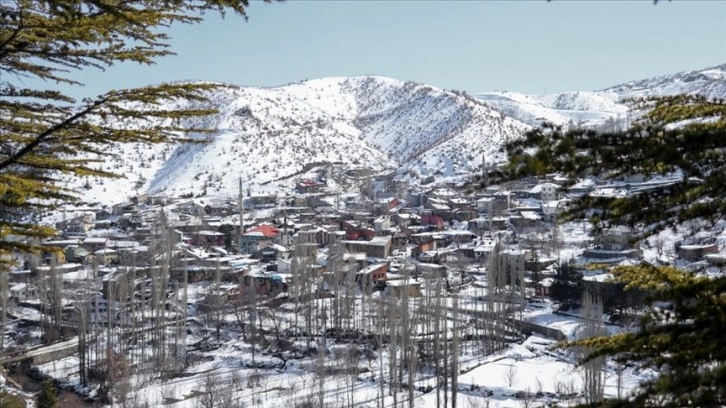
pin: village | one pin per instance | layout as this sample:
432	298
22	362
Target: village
183	275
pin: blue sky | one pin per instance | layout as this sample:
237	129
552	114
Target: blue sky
526	46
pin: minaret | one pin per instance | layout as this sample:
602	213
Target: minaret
241	215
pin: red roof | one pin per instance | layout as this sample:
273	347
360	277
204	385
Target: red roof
268	231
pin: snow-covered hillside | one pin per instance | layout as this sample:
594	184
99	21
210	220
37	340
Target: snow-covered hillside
267	136
710	82
594	108
561	108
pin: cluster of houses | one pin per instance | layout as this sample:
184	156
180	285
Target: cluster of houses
391	242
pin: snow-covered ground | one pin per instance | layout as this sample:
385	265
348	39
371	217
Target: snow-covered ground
530	371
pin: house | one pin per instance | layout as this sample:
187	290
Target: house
95	243
430	270
438	207
359	172
372	274
377	247
125	207
465	213
387	204
484	250
382	224
458	203
130	246
525	220
359	234
218	209
20	292
513	261
380	247
360	259
50	255
423	247
261	285
80	225
308	186
612	245
190	207
262	200
545	191
458	236
494	203
582	187
550	210
400	287
106	256
78	254
271	253
251	240
206	238
405	219
695	253
20	275
434	221
318	236
316	202
400	239
542	288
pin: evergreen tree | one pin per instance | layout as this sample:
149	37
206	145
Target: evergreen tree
47	396
46	134
681	334
567	286
681	338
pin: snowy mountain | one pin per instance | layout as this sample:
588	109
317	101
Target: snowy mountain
270	136
594	108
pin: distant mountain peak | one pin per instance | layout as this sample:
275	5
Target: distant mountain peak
595	108
710	82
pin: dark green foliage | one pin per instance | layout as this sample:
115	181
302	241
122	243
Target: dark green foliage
681	334
567	287
8	400
682	338
230	232
47	397
620	304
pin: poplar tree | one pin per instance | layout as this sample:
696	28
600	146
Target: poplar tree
47	134
680	336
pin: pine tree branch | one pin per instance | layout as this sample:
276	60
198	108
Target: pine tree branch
15	157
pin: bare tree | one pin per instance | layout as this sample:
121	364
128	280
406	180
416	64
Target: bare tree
322	348
511	375
211	391
352	358
593	383
81	304
455	349
4	307
526	400
496	284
